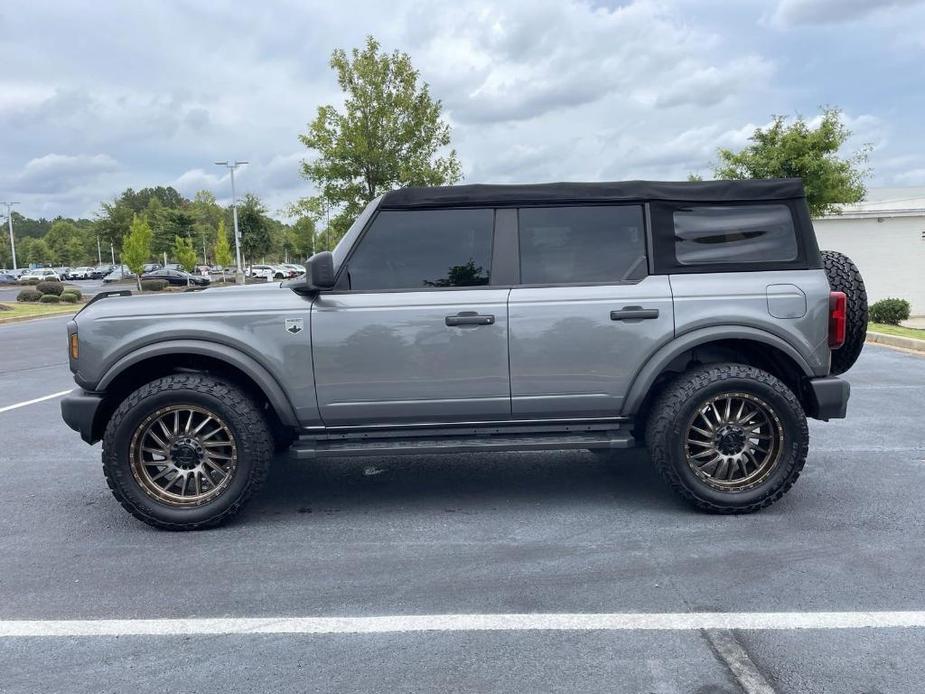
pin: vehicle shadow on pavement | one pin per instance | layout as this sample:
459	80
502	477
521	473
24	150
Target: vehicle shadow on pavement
467	483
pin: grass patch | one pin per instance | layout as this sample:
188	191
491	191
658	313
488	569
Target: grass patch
896	330
19	311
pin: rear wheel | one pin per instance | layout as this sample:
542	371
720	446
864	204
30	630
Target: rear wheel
728	438
186	451
844	276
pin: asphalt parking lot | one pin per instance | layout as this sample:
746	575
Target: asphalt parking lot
87	287
530	533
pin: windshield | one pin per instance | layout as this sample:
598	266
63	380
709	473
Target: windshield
344	245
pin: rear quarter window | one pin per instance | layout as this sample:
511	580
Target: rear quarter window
727	234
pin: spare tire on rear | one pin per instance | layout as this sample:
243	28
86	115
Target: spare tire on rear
844	277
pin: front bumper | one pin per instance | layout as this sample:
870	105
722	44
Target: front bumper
79	409
830	395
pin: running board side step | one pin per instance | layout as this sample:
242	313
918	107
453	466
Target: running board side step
308	447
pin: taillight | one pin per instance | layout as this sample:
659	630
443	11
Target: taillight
838	319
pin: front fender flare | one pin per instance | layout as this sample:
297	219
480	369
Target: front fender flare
668	353
234	357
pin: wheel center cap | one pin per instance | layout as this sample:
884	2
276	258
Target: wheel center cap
730	440
186	453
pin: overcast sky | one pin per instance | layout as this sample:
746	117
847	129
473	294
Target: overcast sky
98	96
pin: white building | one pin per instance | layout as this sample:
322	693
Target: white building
885	236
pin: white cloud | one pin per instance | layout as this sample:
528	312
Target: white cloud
535	89
800	12
56	173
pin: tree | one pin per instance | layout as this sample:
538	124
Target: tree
222	251
33	250
136	247
801	150
389	134
63	239
302	237
254	226
185	253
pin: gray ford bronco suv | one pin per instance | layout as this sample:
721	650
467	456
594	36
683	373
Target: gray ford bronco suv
698	319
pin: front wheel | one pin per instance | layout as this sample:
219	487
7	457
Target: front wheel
728	438
186	451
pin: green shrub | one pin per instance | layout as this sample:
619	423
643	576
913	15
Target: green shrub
75	291
153	285
68	298
50	299
29	295
30	280
889	311
50	288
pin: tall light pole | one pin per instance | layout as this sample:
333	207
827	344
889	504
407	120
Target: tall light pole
9	219
231	166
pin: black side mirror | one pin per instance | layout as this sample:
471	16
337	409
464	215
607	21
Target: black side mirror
320	271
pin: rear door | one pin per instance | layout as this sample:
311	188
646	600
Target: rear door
415	333
586	315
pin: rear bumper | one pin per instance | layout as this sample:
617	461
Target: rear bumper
78	409
830	395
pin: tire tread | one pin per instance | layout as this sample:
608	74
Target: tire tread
663	422
254	435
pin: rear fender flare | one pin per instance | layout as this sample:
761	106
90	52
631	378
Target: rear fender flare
702	336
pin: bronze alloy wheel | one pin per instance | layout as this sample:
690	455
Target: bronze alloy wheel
734	441
183	455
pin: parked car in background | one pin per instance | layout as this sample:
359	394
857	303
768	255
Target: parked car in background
177	278
64	273
7	278
120	272
294	270
173	266
100	271
150	267
81	273
42	274
265	271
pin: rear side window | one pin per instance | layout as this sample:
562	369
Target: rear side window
576	245
714	235
419	249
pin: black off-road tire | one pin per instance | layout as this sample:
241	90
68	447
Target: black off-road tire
666	432
244	418
844	277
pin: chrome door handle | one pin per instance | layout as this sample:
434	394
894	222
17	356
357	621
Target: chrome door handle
634	313
469	318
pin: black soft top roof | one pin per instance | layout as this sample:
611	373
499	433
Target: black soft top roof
542	193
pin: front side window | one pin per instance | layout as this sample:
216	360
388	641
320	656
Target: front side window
734	234
569	245
421	249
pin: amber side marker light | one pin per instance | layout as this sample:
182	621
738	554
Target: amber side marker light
74	346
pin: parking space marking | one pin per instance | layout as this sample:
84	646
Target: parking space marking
35	400
626	621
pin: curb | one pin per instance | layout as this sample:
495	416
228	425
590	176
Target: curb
26	319
897	341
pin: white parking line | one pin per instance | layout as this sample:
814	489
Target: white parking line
644	621
32	402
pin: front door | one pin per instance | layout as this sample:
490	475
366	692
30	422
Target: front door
416	333
586	316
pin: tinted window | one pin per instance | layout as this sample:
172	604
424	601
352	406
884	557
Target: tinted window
424	248
734	234
561	245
